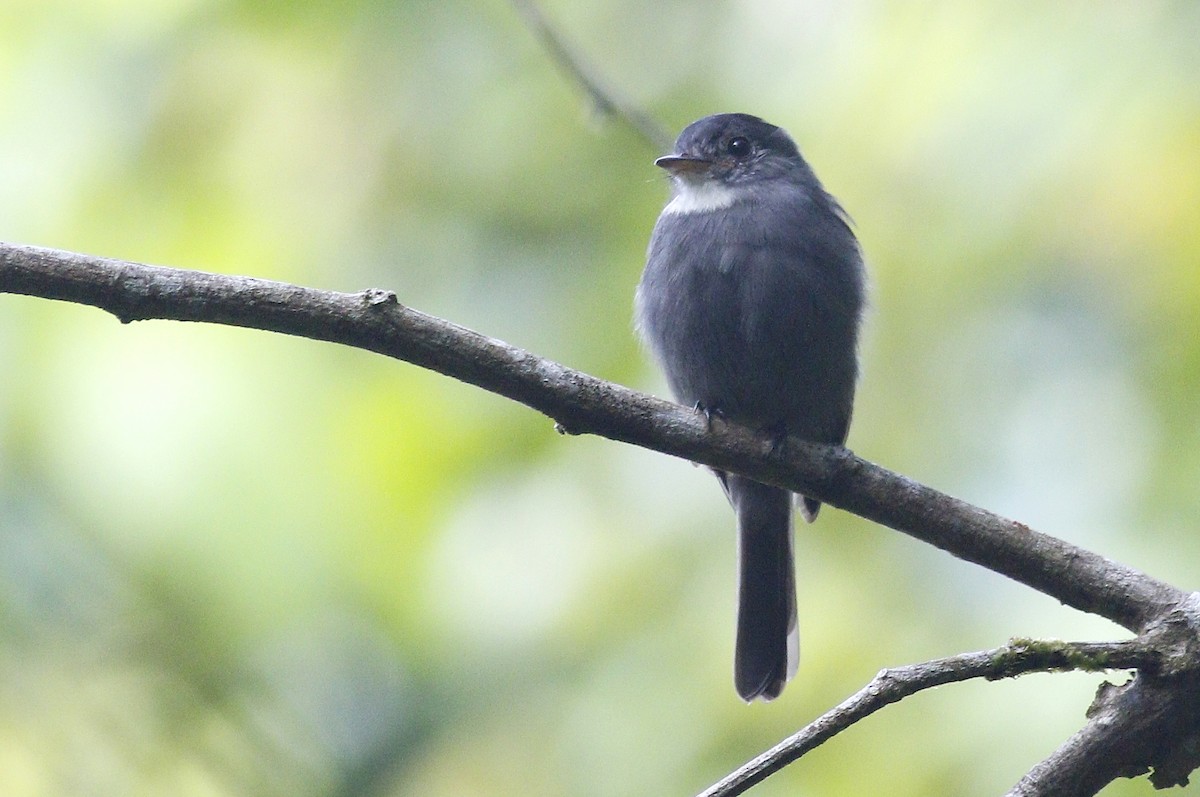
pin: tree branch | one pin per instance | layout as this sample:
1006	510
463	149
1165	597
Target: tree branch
893	685
375	321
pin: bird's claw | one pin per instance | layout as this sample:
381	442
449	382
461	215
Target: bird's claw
709	414
777	444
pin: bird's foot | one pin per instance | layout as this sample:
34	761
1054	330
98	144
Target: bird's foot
709	413
777	442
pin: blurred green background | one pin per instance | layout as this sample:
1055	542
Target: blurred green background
236	563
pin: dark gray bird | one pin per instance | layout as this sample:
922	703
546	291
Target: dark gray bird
751	301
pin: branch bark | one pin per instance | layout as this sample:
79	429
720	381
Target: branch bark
375	321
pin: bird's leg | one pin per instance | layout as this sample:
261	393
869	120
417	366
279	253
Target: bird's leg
777	444
709	414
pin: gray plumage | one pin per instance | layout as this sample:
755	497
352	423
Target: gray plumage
750	301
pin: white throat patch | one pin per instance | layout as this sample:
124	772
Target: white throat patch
701	197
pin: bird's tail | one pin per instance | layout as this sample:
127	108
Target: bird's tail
768	645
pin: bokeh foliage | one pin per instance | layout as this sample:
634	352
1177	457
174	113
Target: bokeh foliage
234	563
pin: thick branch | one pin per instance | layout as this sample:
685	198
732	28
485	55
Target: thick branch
373	320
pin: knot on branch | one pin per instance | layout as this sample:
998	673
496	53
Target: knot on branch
373	297
1176	638
130	289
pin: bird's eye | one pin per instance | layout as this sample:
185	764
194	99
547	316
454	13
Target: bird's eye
738	146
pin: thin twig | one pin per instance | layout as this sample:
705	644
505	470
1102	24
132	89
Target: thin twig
895	684
604	99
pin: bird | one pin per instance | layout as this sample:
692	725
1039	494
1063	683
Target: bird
751	302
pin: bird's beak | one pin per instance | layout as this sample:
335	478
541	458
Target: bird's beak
682	164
